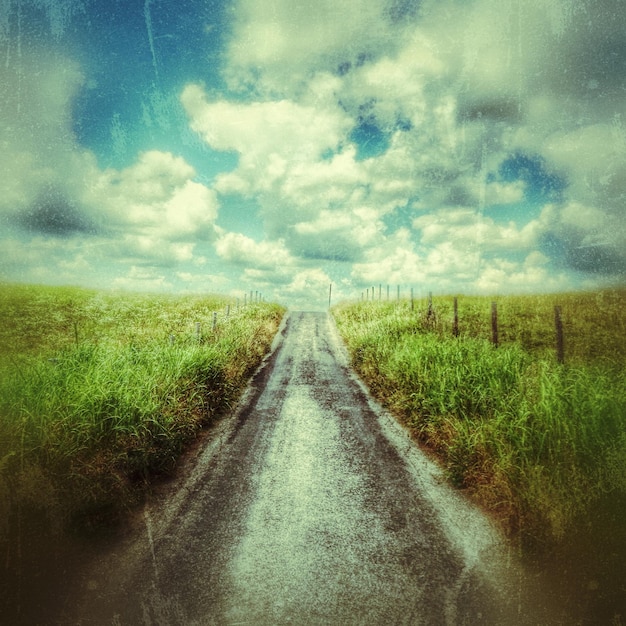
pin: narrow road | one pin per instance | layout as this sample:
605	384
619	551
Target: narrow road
308	506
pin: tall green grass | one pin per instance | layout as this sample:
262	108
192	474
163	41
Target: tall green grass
537	442
99	392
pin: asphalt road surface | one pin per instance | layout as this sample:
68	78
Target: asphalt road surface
309	505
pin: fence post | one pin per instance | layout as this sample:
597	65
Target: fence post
214	320
398	293
455	323
330	292
429	314
387	293
198	331
560	346
380	292
494	323
412	303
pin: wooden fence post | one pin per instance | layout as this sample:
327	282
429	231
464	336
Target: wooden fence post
494	323
330	292
412	303
387	293
214	320
398	293
198	331
455	323
560	346
429	314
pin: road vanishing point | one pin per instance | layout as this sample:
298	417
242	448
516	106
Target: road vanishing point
309	504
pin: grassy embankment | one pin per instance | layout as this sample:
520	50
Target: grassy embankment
538	443
99	391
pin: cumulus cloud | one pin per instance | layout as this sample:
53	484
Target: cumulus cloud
466	106
278	44
51	187
473	145
242	250
156	197
39	157
594	158
307	288
142	279
532	275
467	228
395	261
259	129
45	259
584	237
151	212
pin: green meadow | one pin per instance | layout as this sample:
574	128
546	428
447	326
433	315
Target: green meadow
540	444
101	391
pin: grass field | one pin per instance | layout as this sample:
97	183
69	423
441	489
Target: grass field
100	391
538	443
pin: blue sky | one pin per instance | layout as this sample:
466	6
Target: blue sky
279	146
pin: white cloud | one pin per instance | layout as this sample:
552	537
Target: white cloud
454	96
157	198
467	228
259	129
39	151
142	279
289	41
316	205
452	262
532	276
308	288
594	240
594	159
503	193
448	91
394	261
319	183
152	211
337	234
151	250
265	255
582	217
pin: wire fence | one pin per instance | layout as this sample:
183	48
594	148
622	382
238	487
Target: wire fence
588	326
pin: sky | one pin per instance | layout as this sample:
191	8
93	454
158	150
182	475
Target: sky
280	146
